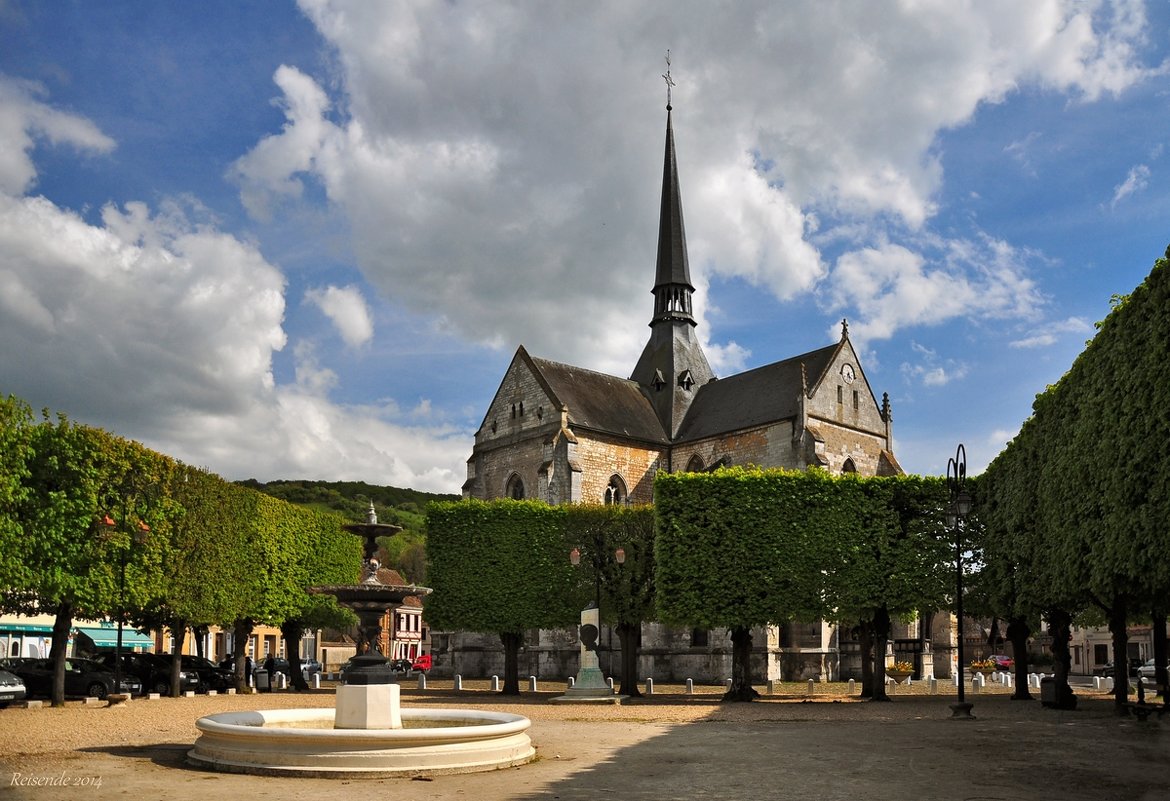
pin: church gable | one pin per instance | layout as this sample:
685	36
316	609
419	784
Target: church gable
841	394
523	403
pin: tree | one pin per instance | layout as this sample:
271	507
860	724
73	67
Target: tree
627	588
741	548
499	566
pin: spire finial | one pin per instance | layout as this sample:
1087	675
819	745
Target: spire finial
844	328
668	79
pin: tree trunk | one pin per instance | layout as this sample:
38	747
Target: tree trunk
512	641
741	666
179	630
1060	626
1158	631
291	631
881	636
1117	619
628	637
865	636
242	632
1018	632
61	626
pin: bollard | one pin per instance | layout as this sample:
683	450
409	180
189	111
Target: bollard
532	684
1109	683
422	681
727	683
649	686
955	678
572	682
932	682
771	687
811	685
458	682
690	686
495	684
1008	681
609	681
283	681
852	687
316	681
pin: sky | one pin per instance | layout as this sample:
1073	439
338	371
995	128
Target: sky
304	240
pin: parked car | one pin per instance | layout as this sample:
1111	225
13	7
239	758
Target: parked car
422	663
1002	661
1105	670
198	674
153	670
1147	670
309	667
275	664
11	688
83	678
400	665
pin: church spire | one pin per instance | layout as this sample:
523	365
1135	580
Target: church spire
672	367
672	278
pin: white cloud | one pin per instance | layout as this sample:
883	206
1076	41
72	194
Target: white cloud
894	287
1136	181
346	307
480	186
24	119
1050	334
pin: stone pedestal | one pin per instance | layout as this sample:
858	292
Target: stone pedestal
590	685
368	706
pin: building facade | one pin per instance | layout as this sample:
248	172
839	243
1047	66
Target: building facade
564	434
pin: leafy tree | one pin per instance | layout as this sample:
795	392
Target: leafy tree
499	566
627	589
742	548
15	433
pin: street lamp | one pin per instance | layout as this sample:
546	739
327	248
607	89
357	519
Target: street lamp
959	508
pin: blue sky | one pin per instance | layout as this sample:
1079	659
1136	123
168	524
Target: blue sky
304	240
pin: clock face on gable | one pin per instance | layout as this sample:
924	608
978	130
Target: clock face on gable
847	373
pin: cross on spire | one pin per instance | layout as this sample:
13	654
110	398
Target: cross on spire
668	79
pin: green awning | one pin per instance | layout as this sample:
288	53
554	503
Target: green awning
108	637
24	628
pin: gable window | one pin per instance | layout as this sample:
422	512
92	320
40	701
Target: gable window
515	488
695	464
615	493
840	395
856	400
849	467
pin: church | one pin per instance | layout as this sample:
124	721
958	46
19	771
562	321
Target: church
564	434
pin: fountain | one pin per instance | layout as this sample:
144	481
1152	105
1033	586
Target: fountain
368	733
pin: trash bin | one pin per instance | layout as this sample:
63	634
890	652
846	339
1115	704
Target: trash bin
263	683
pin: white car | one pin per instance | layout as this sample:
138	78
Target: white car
1146	671
11	688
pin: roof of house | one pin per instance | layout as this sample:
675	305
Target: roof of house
601	402
753	398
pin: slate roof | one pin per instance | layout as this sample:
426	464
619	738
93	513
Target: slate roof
756	397
601	402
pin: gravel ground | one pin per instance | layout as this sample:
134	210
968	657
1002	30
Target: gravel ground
670	745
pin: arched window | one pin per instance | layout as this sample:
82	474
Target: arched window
514	488
615	493
695	464
849	467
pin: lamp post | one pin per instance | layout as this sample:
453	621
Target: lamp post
959	508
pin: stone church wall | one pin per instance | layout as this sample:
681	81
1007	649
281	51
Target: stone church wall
602	457
765	446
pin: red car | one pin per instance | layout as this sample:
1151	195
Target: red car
421	663
1002	662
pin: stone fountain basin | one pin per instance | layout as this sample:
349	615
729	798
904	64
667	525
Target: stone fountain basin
303	742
